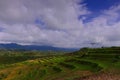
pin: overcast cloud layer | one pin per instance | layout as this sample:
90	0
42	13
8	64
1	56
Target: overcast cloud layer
56	23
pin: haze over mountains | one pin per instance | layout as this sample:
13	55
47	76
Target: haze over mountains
33	47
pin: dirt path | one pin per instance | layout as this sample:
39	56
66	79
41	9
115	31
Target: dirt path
101	76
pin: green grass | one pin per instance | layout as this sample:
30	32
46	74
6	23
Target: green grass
66	67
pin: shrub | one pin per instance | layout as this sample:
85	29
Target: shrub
67	65
57	69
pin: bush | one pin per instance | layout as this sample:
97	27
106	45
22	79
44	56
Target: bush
57	69
67	65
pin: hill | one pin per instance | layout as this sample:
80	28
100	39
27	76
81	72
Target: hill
85	64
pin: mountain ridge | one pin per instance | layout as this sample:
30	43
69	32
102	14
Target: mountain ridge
34	47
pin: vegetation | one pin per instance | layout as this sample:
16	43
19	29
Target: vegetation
79	65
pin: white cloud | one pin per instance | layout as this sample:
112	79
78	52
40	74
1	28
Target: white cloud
62	27
105	28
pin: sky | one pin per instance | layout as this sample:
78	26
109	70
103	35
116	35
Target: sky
60	23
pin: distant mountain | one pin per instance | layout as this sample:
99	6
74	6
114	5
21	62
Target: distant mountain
33	47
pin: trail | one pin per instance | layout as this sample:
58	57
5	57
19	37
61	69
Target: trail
101	76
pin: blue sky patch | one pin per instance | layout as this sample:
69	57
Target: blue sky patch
1	29
40	22
96	7
100	5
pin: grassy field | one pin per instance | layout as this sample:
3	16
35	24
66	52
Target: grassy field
84	64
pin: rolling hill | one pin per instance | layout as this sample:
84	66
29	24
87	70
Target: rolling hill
85	64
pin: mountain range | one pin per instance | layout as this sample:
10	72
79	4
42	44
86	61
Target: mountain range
33	47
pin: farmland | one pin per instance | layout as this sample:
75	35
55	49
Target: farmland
85	64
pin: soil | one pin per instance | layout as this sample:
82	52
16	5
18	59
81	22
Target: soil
101	76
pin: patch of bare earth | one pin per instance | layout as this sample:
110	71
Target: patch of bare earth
73	74
101	76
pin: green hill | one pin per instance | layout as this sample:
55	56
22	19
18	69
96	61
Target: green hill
69	66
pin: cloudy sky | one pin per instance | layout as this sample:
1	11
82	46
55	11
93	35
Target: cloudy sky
60	23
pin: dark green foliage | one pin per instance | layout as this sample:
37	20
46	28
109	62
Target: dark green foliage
57	69
70	66
15	59
94	66
14	56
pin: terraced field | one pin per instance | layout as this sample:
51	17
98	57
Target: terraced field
80	65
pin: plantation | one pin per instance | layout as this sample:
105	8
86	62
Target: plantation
80	65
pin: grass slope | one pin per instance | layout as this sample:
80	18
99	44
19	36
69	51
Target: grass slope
72	66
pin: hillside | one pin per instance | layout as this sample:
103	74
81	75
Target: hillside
85	64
